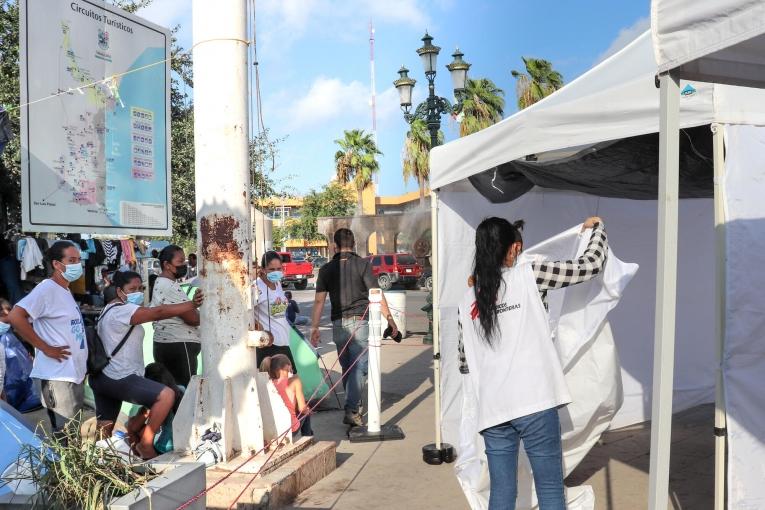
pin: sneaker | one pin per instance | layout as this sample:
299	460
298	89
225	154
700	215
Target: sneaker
353	419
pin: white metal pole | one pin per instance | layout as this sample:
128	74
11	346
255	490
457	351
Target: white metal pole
223	219
436	313
374	394
666	292
718	149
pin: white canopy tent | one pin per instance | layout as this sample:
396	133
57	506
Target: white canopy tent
714	41
611	112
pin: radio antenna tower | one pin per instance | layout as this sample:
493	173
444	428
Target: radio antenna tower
373	98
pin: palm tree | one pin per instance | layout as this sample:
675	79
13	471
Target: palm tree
355	161
416	155
540	82
482	105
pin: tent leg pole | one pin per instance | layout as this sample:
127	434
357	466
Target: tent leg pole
666	292
438	452
721	432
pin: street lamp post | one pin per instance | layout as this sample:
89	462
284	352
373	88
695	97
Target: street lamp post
431	111
434	106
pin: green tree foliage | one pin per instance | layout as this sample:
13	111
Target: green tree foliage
539	81
356	161
482	105
416	155
10	161
334	199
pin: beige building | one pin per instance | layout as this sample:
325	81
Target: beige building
283	210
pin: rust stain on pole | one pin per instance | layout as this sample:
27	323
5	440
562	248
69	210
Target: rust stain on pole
219	244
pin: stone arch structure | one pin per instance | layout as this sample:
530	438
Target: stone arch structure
388	227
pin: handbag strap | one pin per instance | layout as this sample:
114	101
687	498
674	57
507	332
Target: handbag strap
127	335
122	342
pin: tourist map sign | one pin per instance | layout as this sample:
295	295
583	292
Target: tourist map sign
95	120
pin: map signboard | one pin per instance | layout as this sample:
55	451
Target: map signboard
95	119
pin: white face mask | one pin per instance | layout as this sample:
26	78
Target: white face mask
4	328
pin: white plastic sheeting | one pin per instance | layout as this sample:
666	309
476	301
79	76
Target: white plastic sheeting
744	362
588	356
717	41
615	99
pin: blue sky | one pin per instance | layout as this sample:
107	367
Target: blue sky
314	62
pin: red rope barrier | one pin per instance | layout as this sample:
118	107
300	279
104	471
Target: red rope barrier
281	436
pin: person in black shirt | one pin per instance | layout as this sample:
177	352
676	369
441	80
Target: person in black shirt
347	279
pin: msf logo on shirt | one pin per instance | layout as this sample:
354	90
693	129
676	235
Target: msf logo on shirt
500	308
78	332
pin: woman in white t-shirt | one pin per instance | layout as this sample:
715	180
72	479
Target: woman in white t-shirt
122	380
176	339
512	362
271	311
57	333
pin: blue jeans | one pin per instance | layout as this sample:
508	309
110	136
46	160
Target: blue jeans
540	433
355	333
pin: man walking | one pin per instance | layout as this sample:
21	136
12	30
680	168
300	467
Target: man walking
347	279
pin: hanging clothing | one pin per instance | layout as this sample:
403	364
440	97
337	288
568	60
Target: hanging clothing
110	251
20	245
32	257
128	251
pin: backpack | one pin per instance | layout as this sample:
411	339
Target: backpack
98	359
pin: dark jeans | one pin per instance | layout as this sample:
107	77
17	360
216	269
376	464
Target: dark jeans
180	358
540	433
355	333
10	276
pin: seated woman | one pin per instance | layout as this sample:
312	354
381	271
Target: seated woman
122	380
163	440
290	388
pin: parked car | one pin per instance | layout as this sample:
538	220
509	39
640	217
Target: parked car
426	280
391	268
319	261
297	270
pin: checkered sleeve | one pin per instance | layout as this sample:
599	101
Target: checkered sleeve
461	348
556	275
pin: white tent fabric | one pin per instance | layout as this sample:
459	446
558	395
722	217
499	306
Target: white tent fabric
588	356
744	360
631	227
616	99
719	41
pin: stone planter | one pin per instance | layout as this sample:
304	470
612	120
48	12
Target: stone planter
176	484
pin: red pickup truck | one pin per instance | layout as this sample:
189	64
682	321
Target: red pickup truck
392	268
297	271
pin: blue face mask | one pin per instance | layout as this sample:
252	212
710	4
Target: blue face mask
275	276
4	328
73	272
135	298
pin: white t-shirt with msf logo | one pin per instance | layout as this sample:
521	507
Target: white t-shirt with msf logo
57	320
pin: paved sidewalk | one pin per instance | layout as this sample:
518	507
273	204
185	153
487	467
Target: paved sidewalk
392	474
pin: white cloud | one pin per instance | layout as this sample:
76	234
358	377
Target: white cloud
327	99
626	35
333	100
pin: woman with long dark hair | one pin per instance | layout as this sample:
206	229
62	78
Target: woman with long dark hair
176	340
506	347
